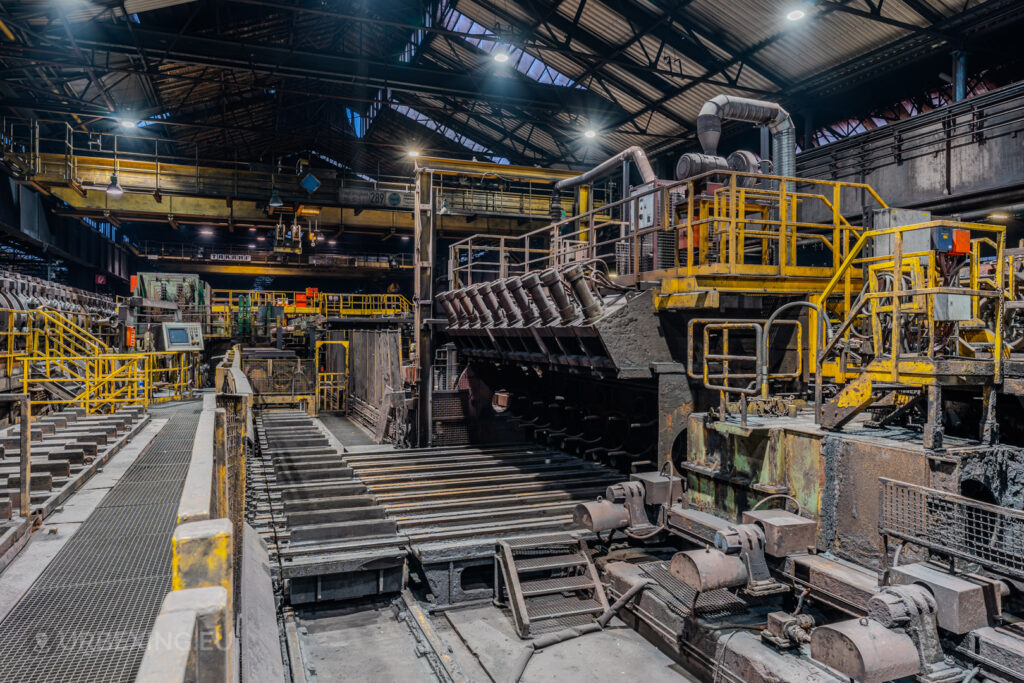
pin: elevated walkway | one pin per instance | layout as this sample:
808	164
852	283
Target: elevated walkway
89	611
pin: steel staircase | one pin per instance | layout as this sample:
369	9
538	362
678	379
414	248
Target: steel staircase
549	582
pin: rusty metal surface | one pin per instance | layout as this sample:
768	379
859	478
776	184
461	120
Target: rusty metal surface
345	514
954	526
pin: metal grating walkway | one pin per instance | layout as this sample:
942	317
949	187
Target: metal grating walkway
89	614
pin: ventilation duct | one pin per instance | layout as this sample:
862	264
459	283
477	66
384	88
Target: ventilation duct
759	112
635	154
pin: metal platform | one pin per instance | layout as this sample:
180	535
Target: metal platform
89	614
345	523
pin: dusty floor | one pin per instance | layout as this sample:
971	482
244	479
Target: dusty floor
368	643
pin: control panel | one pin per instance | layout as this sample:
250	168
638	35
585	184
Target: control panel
180	337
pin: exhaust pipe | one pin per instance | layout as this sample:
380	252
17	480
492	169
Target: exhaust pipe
760	112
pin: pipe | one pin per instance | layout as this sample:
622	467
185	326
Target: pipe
449	310
589	304
482	313
635	154
760	112
456	305
566	309
532	283
468	308
491	302
504	299
515	287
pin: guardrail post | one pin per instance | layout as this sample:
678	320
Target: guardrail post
190	638
26	456
202	556
220	462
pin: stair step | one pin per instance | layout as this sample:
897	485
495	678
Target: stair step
556	607
546	562
560	584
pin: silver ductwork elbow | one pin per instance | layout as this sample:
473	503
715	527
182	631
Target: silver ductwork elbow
759	112
635	154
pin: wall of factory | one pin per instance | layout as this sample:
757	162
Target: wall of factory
964	156
26	217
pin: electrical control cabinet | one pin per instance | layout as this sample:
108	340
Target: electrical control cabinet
180	337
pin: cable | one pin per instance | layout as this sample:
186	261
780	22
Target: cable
799	507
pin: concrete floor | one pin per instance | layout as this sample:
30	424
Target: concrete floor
359	644
346	431
368	643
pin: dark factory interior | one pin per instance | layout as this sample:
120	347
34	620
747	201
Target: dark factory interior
512	340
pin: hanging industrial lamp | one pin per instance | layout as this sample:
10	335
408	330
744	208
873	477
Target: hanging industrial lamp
275	199
114	189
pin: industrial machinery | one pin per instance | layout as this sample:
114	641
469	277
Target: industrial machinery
801	384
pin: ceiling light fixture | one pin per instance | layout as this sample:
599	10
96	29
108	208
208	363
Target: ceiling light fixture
129	123
332	242
252	246
413	153
501	56
796	14
114	189
260	238
206	232
275	199
590	133
998	216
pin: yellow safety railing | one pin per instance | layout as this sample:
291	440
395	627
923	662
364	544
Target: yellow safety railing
902	287
171	375
712	225
331	376
57	335
323	303
97	383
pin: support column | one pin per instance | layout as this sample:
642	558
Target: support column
423	304
675	403
959	75
989	428
933	429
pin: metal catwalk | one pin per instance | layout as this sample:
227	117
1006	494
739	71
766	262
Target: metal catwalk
89	614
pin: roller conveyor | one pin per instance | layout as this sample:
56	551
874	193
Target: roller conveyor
344	524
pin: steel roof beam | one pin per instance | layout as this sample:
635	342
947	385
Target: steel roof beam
348	70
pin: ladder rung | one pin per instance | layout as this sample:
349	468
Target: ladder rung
543	608
558	584
545	562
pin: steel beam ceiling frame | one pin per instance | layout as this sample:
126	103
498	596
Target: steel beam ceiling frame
260	58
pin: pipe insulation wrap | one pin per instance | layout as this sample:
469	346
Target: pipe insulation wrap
635	154
759	112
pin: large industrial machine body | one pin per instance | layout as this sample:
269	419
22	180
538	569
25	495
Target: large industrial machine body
741	349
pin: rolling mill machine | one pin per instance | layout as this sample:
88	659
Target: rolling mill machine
806	390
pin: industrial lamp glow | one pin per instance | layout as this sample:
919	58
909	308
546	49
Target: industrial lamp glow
114	189
590	133
275	199
796	14
501	56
